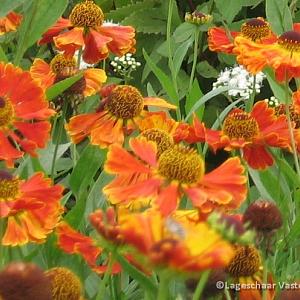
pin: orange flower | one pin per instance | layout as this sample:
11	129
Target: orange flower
10	22
23	113
159	128
257	30
177	244
32	208
121	109
245	268
282	55
253	133
178	170
62	67
86	28
73	242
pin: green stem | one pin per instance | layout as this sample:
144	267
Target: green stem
2	229
163	288
201	285
60	130
79	57
101	291
227	294
171	65
291	131
250	102
196	41
265	280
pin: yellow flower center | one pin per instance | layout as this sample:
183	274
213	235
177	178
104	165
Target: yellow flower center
290	41
240	125
295	117
162	139
125	102
256	29
65	285
61	64
197	17
246	262
86	14
6	112
9	186
182	164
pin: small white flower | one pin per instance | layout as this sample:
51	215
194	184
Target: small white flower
240	81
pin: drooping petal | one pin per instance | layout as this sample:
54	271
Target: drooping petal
258	157
96	48
70	41
58	27
167	199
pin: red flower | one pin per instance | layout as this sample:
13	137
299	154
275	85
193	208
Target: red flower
253	133
257	30
32	208
73	242
86	28
178	170
23	114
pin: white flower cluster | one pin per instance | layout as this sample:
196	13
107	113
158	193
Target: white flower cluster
125	64
240	82
273	102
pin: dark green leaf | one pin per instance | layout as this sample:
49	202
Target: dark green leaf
9	5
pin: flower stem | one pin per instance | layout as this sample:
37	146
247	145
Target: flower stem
101	291
171	65
60	130
163	288
79	57
291	131
227	294
201	285
250	102
265	280
196	41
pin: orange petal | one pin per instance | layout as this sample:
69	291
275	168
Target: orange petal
70	41
94	78
167	199
95	47
42	72
258	157
120	161
14	234
145	150
154	101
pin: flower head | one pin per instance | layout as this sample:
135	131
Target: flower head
282	54
32	208
65	285
256	30
120	111
23	114
10	22
62	67
24	281
252	132
85	28
178	170
197	17
180	245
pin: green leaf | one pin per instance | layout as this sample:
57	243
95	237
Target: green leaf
164	80
277	88
61	86
205	98
90	161
2	55
279	15
183	32
40	16
229	9
180	53
192	97
206	70
9	5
